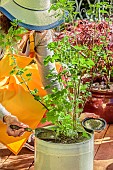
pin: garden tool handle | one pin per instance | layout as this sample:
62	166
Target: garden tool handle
15	127
47	136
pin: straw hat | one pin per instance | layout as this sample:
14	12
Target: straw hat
33	14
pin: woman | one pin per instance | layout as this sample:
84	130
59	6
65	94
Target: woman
6	116
41	21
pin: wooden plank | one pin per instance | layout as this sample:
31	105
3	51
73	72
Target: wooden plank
98	137
4	154
32	167
104	157
22	161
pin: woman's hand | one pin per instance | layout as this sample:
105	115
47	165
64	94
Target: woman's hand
13	120
87	114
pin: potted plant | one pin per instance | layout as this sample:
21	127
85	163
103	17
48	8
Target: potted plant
69	146
97	35
101	42
66	144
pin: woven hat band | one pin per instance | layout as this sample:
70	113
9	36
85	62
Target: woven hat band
37	5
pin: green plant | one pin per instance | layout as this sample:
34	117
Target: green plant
82	51
66	104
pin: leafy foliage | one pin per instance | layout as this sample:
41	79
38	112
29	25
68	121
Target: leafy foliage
97	38
81	47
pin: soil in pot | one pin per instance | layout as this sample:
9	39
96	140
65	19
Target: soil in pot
50	135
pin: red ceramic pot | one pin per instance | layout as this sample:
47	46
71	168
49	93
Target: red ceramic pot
101	104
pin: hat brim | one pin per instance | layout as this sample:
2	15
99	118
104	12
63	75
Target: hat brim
31	20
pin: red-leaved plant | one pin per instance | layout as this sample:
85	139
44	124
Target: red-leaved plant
98	38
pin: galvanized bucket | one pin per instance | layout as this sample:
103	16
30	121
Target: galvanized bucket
54	156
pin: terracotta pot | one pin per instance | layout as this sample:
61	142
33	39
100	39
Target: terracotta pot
101	104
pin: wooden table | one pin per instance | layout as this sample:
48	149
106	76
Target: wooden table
103	154
103	159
